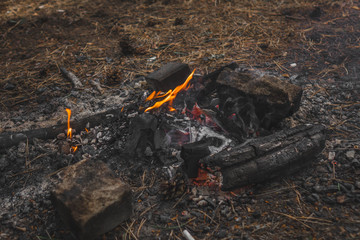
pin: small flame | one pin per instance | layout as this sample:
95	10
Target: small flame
74	148
169	96
69	129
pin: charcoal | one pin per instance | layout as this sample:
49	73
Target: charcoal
192	153
168	76
264	158
142	130
90	200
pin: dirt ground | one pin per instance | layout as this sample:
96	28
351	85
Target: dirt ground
118	40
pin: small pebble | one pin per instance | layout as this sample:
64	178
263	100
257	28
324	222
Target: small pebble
61	136
350	154
221	234
22	147
202	203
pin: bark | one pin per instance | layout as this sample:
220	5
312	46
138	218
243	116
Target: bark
261	159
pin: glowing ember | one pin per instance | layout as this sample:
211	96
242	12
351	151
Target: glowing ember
69	129
169	96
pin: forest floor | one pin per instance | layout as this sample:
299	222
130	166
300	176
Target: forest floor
118	40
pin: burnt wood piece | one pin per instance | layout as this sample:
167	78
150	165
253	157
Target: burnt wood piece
168	76
276	155
91	200
192	153
72	77
142	130
8	139
273	98
215	74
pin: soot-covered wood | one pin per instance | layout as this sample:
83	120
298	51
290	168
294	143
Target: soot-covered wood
272	156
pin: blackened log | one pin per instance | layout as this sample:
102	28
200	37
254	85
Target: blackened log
8	139
276	155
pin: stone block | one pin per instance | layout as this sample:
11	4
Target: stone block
91	200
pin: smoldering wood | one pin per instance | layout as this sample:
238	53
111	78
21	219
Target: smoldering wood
9	139
276	155
273	98
72	77
192	153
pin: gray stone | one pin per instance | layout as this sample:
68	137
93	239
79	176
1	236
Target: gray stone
168	76
91	200
350	154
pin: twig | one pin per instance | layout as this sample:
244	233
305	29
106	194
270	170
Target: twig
212	220
96	84
293	218
71	76
146	210
140	226
178	201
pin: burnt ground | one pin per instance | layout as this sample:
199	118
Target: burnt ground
114	42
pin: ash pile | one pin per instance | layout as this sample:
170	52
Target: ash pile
188	134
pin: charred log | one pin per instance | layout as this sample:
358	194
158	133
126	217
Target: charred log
261	159
8	139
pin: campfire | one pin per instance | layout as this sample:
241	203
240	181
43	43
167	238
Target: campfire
218	132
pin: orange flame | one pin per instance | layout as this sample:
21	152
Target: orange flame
69	129
170	95
74	149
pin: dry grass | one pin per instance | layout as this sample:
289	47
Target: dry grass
38	37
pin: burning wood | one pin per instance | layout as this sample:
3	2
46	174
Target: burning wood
170	95
168	76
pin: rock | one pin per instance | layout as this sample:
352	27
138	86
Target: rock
22	147
64	147
319	188
168	76
90	200
273	98
9	86
350	154
222	234
357	184
341	198
61	136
